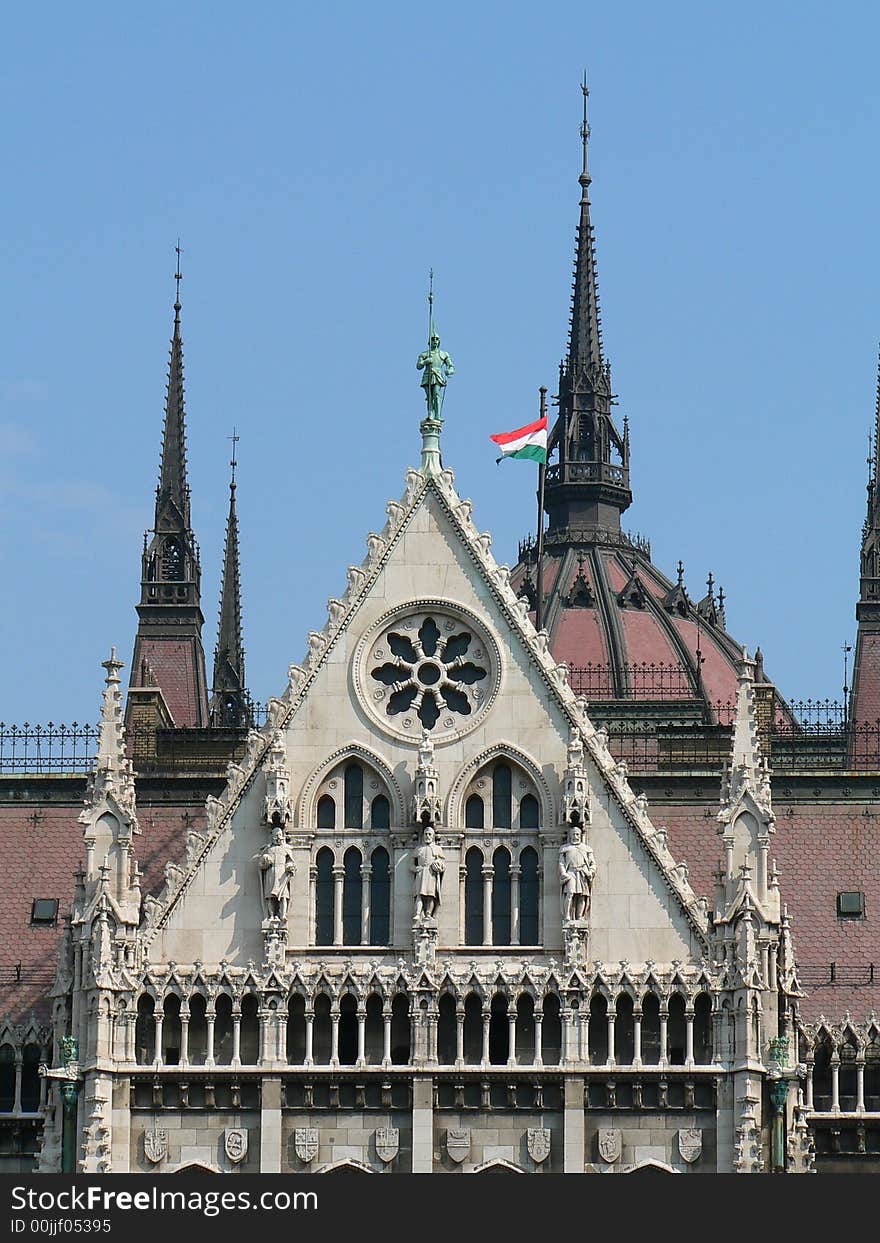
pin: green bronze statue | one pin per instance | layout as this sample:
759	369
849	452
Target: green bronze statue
435	363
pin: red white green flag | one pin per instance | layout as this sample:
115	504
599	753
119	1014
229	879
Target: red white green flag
528	442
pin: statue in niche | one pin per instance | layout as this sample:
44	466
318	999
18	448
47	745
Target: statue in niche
277	869
429	864
577	867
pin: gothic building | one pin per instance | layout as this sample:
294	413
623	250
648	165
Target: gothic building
476	895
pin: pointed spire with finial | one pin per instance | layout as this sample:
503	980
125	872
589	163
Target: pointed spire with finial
173	486
112	773
585	336
230	703
437	367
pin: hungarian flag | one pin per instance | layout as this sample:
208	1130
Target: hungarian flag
527	442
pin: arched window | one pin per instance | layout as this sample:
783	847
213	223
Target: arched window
501	897
380	897
223	1030
7	1078
598	1030
529	932
353	783
676	1031
872	1073
473	897
624	1031
400	1030
352	896
528	812
324	897
499	1032
525	1029
348	1031
380	813
197	1040
822	1076
447	1030
30	1079
374	1035
145	1031
651	1029
847	1086
250	1030
551	1031
502	796
474	813
326	812
172	561
171	1031
296	1030
322	1031
703	1029
473	1030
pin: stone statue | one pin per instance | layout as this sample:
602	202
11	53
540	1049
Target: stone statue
577	867
437	367
429	867
277	870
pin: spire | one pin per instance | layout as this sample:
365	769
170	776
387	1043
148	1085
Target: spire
585	334
112	770
173	488
587	487
169	637
230	706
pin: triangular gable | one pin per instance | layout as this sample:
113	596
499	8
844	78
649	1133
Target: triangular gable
433	489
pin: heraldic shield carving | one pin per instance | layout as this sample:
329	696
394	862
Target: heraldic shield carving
538	1143
458	1145
156	1144
690	1143
305	1143
235	1143
387	1142
609	1145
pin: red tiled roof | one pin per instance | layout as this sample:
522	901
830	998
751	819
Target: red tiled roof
173	663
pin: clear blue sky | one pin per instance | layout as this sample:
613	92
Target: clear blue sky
316	161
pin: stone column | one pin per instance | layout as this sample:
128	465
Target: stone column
309	1059
19	1057
689	1038
459	1036
573	1126
485	1055
236	1037
184	1034
511	1036
270	1125
637	1037
334	1036
386	1035
860	1083
423	1126
338	878
313	893
539	1034
808	1096
835	1083
160	1021
209	1051
462	877
366	898
612	1017
488	874
362	1034
664	1024
515	871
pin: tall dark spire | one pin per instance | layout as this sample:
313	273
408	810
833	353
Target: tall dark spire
585	333
230	703
168	683
587	487
173	489
865	700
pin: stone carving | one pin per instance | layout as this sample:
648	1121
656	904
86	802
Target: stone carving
577	867
235	1143
387	1143
305	1142
277	869
458	1145
335	611
156	1144
690	1143
538	1143
276	805
426	799
609	1145
429	864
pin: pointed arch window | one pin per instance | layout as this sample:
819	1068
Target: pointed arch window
474	813
380	813
172	560
473	897
326	812
501	897
353	797
324	897
352	897
502	796
529	932
380	897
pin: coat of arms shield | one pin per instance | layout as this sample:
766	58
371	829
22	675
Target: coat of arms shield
690	1143
387	1142
305	1142
609	1144
156	1144
538	1143
235	1143
458	1145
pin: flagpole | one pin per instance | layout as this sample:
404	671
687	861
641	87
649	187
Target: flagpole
539	576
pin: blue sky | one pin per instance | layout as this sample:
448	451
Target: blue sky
316	161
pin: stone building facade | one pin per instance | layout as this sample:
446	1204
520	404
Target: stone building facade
511	878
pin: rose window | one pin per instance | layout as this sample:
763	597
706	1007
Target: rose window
432	667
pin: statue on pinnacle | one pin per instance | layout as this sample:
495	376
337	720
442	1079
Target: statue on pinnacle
435	363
